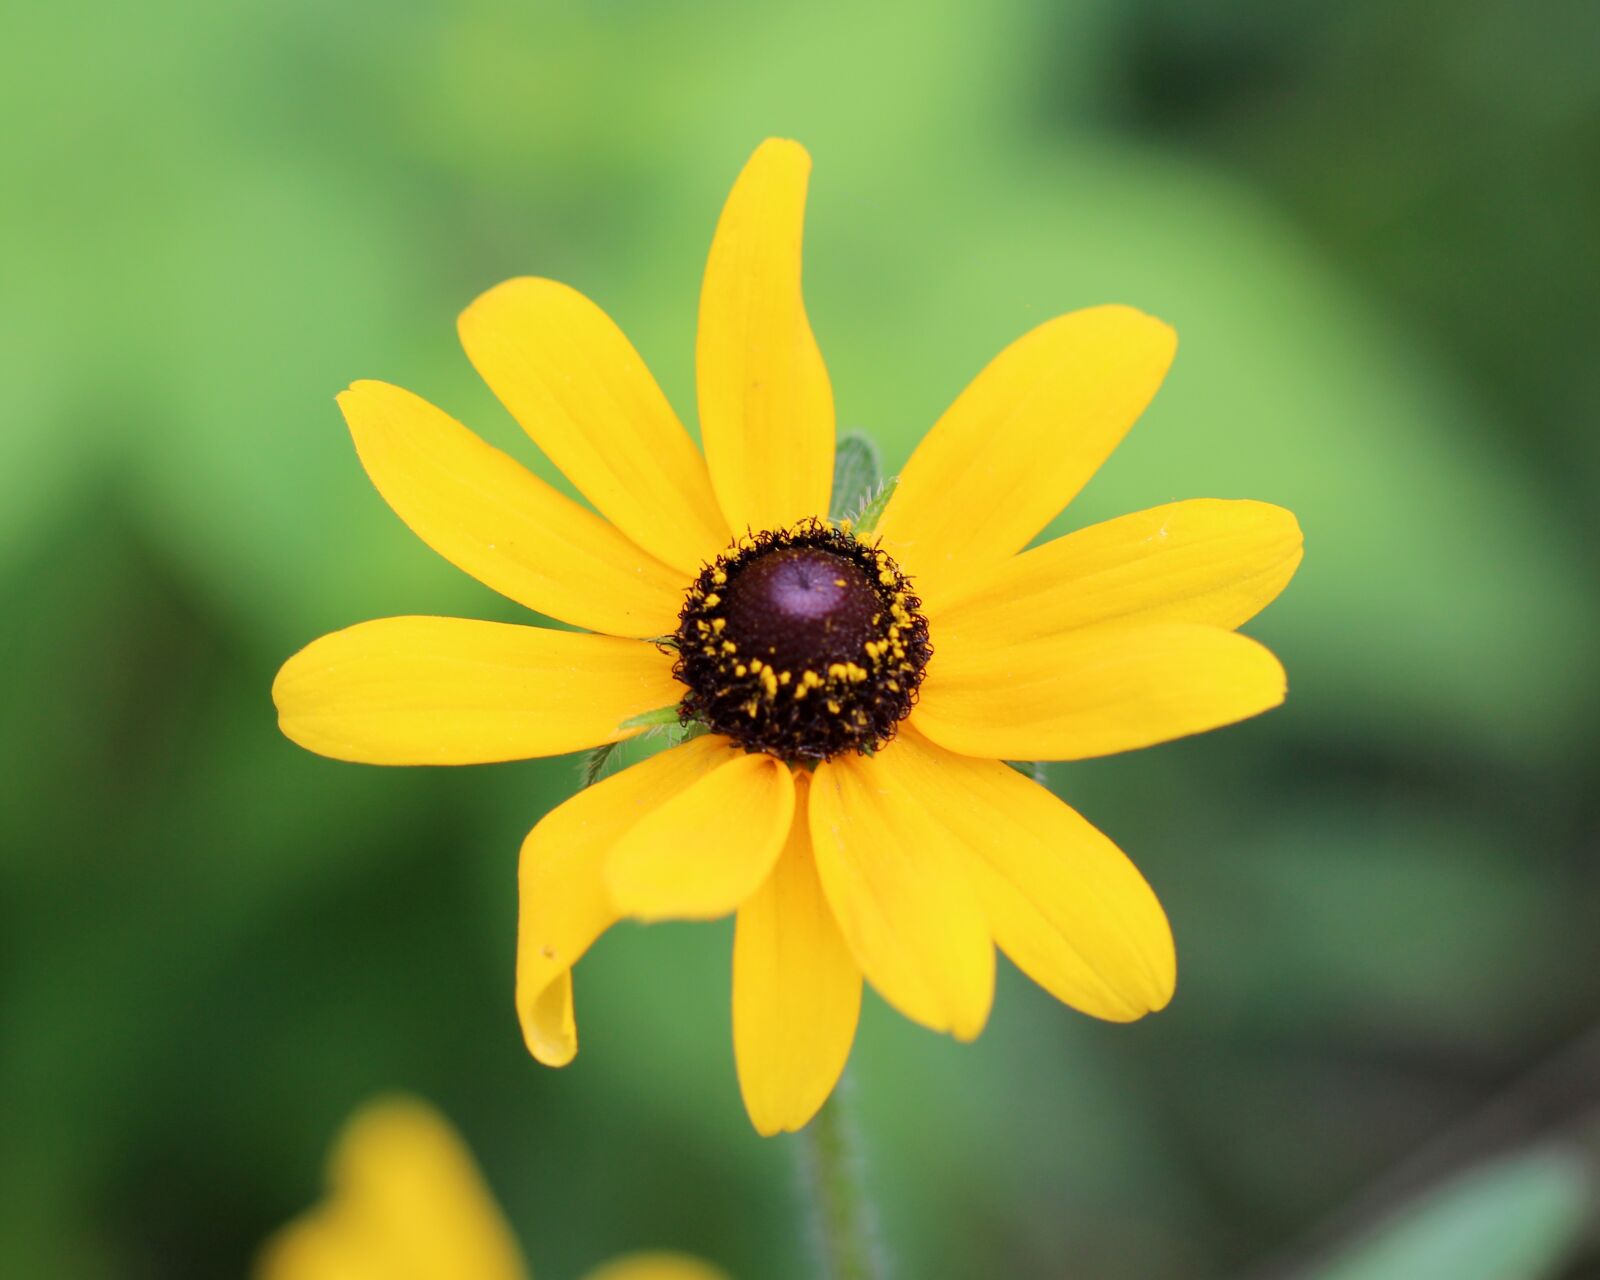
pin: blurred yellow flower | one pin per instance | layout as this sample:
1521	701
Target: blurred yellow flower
406	1202
850	799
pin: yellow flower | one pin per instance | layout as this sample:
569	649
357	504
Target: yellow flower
406	1202
851	802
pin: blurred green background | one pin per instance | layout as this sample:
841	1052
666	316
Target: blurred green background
1376	226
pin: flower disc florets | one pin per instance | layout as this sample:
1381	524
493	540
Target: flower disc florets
802	642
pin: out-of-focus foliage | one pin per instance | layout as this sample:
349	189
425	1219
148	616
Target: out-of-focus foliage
1510	1220
1375	227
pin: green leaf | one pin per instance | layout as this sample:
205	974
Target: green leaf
1515	1218
856	472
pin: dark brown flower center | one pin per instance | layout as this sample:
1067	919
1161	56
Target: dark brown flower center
801	607
804	643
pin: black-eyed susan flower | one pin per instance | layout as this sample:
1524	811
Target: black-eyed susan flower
857	694
406	1201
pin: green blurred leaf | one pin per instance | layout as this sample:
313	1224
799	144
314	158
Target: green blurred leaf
1514	1219
856	470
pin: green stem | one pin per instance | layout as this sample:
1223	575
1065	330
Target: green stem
845	1228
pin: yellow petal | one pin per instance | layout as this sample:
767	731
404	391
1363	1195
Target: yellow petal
563	902
766	407
550	1019
459	691
492	517
900	890
1064	902
700	854
1094	692
1206	561
578	387
405	1202
796	991
657	1266
1020	441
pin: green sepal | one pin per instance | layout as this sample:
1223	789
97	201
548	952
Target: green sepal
652	719
865	520
597	762
660	733
1031	769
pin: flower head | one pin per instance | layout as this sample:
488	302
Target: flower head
406	1202
856	692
